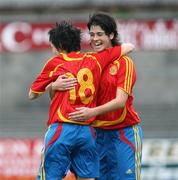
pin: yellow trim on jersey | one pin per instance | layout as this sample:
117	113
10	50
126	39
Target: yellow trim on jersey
128	76
67	120
67	58
129	73
37	92
137	152
99	123
42	173
55	69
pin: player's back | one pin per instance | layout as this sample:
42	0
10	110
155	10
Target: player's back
87	70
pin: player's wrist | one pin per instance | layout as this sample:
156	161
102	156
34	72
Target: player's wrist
95	111
48	87
53	86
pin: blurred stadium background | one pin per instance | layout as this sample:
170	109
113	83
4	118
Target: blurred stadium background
152	25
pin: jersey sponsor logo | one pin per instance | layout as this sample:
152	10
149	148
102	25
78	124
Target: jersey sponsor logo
113	70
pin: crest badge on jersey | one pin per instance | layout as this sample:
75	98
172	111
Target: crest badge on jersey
113	70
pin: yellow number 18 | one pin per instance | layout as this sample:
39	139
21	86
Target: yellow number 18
85	80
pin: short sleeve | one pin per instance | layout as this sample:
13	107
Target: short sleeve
126	74
47	75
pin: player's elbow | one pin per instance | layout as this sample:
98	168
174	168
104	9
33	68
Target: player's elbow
120	104
121	101
31	95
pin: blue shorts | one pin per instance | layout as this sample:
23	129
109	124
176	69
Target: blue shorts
120	153
69	145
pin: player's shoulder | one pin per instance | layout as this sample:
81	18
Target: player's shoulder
53	61
125	58
123	61
92	55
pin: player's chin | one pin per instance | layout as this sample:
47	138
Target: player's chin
98	48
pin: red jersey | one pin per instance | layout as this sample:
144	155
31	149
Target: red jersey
119	74
87	69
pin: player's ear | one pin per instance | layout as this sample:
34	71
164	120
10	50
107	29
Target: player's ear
111	36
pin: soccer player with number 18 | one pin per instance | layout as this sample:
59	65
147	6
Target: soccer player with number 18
67	142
